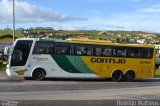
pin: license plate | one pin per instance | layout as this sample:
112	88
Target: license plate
21	72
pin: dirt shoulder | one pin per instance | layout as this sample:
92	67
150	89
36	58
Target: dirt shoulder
4	76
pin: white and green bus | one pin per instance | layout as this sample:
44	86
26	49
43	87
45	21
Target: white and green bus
42	58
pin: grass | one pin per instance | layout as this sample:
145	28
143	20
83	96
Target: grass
157	73
5	32
2	67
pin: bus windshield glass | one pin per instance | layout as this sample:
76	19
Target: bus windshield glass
21	52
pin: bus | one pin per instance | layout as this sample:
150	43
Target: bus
157	55
73	58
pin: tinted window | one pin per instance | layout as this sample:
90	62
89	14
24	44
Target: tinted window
84	49
64	48
103	51
43	48
133	52
140	52
119	51
146	53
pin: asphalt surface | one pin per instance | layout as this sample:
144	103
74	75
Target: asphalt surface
78	92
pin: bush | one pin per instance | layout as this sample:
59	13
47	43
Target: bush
2	67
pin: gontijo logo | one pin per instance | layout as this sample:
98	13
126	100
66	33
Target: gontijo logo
108	60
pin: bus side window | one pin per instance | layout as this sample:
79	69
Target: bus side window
107	52
114	52
89	52
97	51
144	53
41	48
64	49
150	53
133	52
119	52
79	50
84	49
51	48
103	51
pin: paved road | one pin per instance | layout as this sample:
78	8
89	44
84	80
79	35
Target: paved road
79	92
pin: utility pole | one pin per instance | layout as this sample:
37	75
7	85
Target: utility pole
13	22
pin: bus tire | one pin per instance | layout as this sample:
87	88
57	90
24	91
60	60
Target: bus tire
39	74
129	75
117	76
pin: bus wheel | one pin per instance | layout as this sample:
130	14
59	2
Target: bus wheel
117	76
129	76
39	74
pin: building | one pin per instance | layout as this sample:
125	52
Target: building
5	40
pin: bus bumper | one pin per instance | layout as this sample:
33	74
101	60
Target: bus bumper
20	72
11	72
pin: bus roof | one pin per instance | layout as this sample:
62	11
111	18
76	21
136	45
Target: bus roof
82	41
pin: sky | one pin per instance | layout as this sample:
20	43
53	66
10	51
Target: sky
131	15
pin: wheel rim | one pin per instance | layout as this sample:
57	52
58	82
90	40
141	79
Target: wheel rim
130	76
117	76
38	74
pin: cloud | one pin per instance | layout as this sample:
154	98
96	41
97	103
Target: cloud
144	19
30	13
152	10
140	21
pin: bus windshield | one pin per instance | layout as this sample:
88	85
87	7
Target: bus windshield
21	52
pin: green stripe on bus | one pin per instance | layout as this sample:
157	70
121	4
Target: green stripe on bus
65	64
79	64
72	64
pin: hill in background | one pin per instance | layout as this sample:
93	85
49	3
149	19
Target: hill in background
114	36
